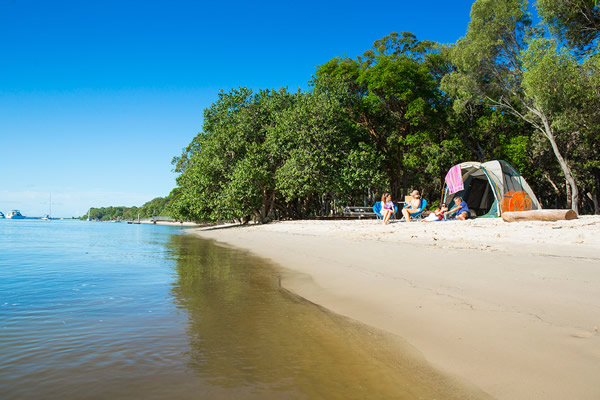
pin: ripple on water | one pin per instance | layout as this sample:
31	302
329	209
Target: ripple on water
106	311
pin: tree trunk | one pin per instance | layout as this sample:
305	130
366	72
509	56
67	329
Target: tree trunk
394	181
563	164
539	215
594	199
272	205
554	186
596	195
262	215
569	199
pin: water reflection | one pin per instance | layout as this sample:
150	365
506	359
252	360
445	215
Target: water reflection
115	311
251	339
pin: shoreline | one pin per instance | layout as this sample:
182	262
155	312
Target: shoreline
185	224
510	308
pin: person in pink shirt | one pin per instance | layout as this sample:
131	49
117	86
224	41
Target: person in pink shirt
387	207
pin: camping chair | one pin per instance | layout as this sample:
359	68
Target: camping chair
419	214
377	210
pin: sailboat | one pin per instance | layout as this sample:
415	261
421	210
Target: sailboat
48	217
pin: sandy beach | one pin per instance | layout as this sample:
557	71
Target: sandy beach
510	308
184	224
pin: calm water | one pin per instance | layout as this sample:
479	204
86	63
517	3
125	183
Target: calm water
115	311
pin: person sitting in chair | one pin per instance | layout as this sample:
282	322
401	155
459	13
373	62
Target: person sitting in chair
387	207
460	209
414	207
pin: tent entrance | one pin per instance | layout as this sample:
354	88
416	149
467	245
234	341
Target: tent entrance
479	194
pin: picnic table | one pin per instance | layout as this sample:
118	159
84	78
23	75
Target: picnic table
359	212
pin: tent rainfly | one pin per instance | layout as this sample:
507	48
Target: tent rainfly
489	188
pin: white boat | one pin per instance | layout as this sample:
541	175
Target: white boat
47	217
15	214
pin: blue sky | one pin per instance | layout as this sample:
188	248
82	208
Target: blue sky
97	97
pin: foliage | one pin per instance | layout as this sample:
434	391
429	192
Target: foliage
265	153
396	98
568	91
155	207
399	116
320	149
228	173
575	21
493	66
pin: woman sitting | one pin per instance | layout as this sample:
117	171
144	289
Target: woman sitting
414	207
387	207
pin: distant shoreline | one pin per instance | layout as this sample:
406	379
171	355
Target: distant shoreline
513	309
170	223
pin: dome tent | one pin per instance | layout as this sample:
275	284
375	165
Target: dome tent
490	188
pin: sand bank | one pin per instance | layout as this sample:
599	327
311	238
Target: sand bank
184	224
513	309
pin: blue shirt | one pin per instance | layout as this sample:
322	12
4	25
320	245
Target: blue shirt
463	208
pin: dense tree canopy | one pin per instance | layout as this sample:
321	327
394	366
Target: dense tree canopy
576	21
399	116
271	153
397	100
155	207
501	62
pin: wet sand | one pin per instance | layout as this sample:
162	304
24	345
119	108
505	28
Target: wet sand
512	309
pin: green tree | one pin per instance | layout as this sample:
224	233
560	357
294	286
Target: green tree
397	100
158	206
575	21
590	126
570	91
578	23
489	69
320	150
230	173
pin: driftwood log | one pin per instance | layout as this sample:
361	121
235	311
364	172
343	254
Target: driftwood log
539	215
